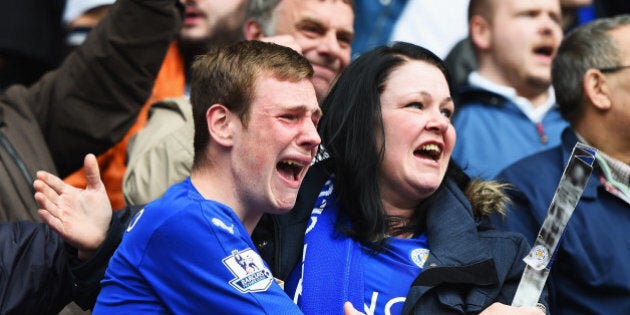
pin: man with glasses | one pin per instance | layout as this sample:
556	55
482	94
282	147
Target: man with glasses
591	76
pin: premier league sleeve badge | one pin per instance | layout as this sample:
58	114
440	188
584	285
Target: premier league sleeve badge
251	274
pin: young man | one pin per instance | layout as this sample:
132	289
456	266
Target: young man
509	110
255	114
162	154
591	75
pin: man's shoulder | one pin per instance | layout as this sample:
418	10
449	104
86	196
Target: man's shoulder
543	163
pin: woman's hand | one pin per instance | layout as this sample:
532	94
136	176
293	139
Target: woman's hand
348	309
498	308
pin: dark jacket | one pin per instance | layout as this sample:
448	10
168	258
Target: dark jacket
40	274
590	273
33	268
86	105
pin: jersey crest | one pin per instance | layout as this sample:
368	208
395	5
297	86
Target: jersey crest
419	256
251	274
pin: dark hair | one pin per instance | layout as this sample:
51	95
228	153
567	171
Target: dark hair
348	129
589	46
227	75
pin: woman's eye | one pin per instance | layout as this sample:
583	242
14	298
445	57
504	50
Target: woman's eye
415	105
447	112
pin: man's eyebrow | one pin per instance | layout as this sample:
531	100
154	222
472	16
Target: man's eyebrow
310	19
304	109
315	20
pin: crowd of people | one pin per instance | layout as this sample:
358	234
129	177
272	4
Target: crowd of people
314	156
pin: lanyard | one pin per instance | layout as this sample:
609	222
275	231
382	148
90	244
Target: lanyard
539	260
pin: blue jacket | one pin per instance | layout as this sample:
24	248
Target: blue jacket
492	133
591	272
374	22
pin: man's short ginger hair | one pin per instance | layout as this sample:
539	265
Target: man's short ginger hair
227	75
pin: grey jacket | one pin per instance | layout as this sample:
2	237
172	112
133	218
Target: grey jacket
161	154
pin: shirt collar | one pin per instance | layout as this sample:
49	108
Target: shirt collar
535	114
615	172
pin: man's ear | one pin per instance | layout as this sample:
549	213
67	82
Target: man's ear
253	30
219	120
480	32
597	89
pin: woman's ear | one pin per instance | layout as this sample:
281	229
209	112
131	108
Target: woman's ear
597	89
219	120
253	30
480	33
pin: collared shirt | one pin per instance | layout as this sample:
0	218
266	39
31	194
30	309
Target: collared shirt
615	172
534	113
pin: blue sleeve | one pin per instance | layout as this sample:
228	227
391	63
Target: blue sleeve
197	265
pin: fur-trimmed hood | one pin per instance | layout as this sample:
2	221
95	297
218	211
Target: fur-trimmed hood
487	197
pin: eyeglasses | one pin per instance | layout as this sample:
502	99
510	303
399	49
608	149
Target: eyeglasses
613	69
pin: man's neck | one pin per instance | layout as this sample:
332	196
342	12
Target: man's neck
214	184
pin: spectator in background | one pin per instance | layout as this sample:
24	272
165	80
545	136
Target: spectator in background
591	75
509	109
79	18
206	23
461	60
436	25
162	154
31	37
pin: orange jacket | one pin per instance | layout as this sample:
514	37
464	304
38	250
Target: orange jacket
170	82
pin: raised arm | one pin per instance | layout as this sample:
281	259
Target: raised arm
90	101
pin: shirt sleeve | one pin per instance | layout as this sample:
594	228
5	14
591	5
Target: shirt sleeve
199	262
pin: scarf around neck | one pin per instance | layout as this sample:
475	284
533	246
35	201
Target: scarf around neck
331	262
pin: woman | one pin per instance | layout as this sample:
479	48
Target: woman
392	227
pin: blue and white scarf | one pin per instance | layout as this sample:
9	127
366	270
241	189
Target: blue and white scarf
333	274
